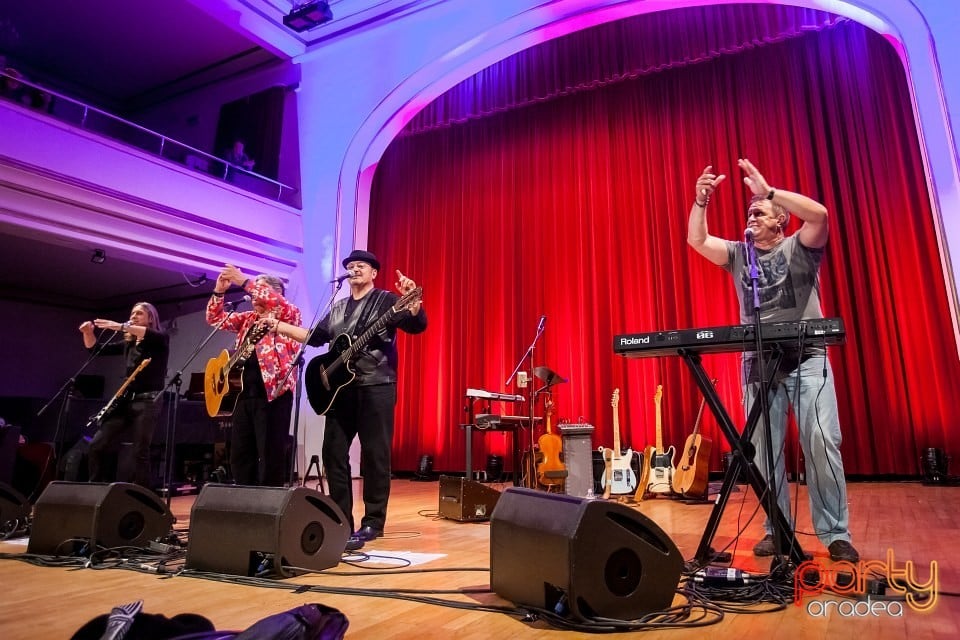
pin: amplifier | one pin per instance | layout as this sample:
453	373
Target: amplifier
465	500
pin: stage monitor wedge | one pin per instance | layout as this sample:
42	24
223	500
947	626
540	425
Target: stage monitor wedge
579	557
244	531
68	516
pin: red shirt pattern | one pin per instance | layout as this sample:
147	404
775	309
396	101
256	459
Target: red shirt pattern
275	353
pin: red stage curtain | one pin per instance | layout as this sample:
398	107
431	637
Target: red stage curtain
576	208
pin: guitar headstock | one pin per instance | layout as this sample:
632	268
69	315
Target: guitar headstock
408	299
658	394
615	400
548	406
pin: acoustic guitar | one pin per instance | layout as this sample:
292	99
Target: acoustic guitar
691	478
659	463
550	469
622	478
329	372
95	421
223	377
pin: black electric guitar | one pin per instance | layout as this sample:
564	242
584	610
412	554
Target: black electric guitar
94	422
327	373
223	378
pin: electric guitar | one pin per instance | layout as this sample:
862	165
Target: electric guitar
660	462
223	377
329	372
112	403
622	477
691	478
550	469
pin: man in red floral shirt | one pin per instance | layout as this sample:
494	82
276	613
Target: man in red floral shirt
261	419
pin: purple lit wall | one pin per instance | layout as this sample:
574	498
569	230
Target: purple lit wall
369	83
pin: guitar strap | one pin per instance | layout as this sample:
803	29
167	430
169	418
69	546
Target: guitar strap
370	303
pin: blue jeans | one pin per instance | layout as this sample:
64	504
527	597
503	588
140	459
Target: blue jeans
814	405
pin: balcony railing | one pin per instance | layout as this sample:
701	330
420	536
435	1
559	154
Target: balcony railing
66	109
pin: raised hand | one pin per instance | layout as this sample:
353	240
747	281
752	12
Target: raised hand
706	184
753	178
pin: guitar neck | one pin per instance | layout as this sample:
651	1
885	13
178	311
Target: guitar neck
659	427
365	337
616	432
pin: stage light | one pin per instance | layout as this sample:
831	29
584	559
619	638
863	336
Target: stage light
99	256
424	469
308	15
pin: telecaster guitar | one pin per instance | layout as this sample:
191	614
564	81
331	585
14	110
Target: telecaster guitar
661	462
329	372
621	477
223	377
108	408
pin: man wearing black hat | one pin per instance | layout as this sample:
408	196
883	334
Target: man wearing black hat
364	407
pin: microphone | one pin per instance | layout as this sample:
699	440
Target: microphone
543	322
236	303
748	235
340	279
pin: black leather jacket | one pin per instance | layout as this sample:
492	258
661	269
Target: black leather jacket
376	363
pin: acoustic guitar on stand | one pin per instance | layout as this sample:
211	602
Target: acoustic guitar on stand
659	466
691	478
550	469
620	478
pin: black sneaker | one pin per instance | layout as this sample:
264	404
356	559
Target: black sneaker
842	550
353	544
764	548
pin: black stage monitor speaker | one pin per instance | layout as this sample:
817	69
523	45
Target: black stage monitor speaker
68	514
242	530
588	558
14	509
466	500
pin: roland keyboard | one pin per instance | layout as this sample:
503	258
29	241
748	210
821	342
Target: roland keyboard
733	338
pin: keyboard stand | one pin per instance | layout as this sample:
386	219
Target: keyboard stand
743	457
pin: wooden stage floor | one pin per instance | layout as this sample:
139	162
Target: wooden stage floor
916	523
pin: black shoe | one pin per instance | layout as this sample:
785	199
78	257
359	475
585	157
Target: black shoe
353	544
764	548
842	550
367	533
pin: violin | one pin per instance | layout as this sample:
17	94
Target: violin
550	469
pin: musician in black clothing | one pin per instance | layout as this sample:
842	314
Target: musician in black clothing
136	414
364	407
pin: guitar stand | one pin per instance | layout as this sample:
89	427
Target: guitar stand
743	457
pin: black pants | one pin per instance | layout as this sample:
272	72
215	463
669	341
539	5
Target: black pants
134	422
366	412
258	443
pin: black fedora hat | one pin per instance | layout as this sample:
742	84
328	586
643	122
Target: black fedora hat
359	255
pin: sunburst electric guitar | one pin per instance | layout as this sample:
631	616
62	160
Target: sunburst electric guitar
659	467
108	408
223	378
621	477
329	372
691	478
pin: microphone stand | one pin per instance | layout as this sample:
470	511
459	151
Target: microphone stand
67	390
763	398
298	395
531	467
177	381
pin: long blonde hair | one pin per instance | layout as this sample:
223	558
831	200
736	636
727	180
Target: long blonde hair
153	318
